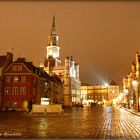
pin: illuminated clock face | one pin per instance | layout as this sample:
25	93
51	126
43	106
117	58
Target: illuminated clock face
53	51
50	52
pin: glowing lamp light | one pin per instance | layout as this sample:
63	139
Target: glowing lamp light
114	101
45	101
126	91
134	83
41	65
120	96
106	84
113	91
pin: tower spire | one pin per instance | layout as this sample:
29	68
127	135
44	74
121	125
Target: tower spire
53	38
53	24
53	28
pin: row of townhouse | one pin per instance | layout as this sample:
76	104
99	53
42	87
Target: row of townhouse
131	84
21	81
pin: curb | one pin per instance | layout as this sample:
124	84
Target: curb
131	111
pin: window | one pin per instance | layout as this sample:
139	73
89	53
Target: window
15	90
15	79
34	91
17	68
20	68
8	79
23	79
34	80
7	90
14	68
23	90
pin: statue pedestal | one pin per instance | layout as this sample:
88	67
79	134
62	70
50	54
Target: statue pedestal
56	108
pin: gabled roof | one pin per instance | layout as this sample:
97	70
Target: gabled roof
38	71
29	65
41	73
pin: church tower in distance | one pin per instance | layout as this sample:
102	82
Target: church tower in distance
52	57
68	72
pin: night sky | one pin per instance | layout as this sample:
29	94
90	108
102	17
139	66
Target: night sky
102	36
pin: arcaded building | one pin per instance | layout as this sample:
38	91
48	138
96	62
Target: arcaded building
100	94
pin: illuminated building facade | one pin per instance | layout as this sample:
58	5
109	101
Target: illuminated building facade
69	72
22	82
99	94
131	85
5	61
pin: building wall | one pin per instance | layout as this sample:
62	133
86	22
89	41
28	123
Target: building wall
16	94
99	94
7	62
131	85
69	74
19	98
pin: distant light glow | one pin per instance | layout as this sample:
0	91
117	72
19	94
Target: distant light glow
106	84
134	82
113	91
126	91
41	65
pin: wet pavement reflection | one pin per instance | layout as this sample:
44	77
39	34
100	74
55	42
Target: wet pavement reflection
77	122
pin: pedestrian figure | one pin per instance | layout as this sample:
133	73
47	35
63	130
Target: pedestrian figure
30	105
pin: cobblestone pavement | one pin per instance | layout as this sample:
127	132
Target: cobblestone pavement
82	122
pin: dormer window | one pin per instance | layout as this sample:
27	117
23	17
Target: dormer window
16	68
19	67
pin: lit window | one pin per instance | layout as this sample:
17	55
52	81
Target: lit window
23	79
8	79
15	90
15	79
23	90
7	90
